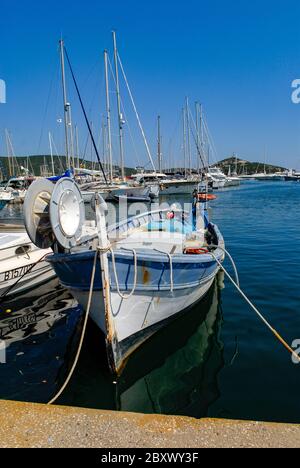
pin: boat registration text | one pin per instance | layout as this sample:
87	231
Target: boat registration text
17	272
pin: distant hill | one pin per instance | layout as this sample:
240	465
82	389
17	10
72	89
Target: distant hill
247	167
40	165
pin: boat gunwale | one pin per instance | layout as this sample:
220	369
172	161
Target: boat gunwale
144	255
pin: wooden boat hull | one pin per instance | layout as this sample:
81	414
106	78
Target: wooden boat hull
159	295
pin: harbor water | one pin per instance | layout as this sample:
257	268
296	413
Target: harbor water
217	360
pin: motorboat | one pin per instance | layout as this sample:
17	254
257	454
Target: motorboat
292	175
263	176
166	184
112	192
22	264
232	181
216	176
15	188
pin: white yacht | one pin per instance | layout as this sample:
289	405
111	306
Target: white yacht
15	188
167	185
232	181
216	176
271	176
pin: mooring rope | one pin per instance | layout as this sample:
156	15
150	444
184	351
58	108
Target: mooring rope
230	258
264	320
235	283
82	334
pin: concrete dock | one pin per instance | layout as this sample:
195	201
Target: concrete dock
36	425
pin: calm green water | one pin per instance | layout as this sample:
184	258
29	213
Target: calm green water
217	360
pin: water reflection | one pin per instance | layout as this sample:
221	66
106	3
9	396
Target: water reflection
11	212
173	372
39	330
176	372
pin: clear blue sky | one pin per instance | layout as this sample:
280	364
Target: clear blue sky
237	57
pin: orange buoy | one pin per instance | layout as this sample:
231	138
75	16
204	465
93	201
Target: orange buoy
206	196
195	251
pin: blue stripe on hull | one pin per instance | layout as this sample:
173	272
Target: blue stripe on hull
75	270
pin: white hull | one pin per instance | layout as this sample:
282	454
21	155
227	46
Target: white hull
141	311
232	182
17	255
148	191
175	188
38	275
143	191
218	184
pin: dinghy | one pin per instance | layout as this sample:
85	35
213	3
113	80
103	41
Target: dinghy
136	276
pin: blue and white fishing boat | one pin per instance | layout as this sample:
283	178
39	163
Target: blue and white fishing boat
135	276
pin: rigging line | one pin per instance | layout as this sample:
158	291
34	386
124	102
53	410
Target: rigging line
90	73
46	109
85	116
125	115
13	155
55	149
85	147
253	307
175	132
172	143
136	113
202	156
97	88
200	150
210	139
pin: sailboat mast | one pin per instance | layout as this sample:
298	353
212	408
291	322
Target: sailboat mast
8	154
93	163
184	140
201	126
198	135
159	145
108	118
188	135
72	153
66	104
104	145
77	146
120	118
51	153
